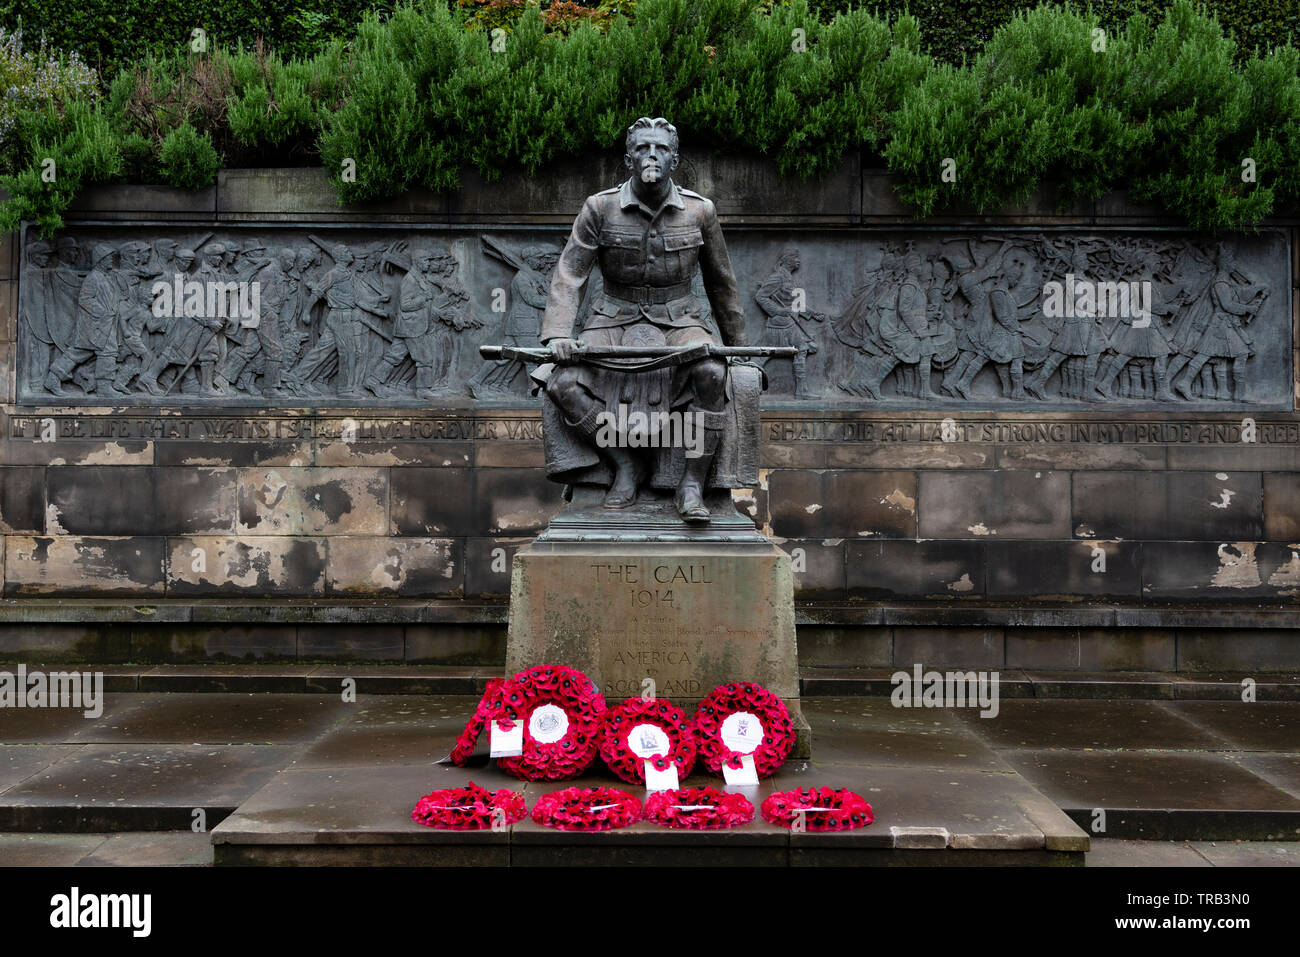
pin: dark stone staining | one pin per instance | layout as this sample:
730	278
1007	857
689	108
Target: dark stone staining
331	498
22	499
434	501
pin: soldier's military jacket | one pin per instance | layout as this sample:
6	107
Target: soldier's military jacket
648	259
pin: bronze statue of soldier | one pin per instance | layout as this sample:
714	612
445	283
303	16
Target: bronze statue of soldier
649	238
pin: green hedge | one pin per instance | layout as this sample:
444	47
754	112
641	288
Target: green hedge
112	34
1169	111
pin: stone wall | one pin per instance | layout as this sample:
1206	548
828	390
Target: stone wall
1012	532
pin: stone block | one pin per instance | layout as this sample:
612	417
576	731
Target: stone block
131	201
870	647
1245	650
1168	505
513	501
1008	504
1282	506
1091	649
432	501
842	503
949	648
1047	570
1219	571
924	569
246	454
690	616
313	501
1080	456
353	642
74	565
226	642
250	565
487	566
456	645
817	565
99	643
22	499
411	567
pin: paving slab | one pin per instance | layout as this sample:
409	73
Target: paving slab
1087	724
190	718
1113	852
1250	853
152	849
1227	686
143	787
20	761
61	725
1280	770
981	811
391	729
357	816
1162	795
871	731
1245	726
46	850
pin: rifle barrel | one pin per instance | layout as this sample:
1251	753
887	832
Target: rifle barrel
641	352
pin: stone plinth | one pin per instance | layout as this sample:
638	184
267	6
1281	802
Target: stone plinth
689	616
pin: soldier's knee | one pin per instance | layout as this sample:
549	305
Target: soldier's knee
710	377
562	387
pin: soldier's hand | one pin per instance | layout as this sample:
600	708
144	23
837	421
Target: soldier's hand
563	349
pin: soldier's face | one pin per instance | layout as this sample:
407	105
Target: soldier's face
651	157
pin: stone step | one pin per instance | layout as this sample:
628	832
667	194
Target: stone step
814	682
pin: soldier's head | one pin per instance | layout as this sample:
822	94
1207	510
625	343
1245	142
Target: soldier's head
39	253
1226	257
444	264
166	249
342	255
184	259
790	258
231	253
213	253
651	149
308	256
541	258
67	250
422	258
941	270
135	254
101	256
285	257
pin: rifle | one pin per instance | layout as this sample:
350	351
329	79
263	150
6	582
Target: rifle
659	355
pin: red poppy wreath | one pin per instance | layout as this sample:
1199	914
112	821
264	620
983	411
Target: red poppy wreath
818	809
739	719
587	809
639	730
470	808
698	809
474	727
561	712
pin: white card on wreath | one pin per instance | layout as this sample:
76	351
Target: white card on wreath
507	744
744	776
665	780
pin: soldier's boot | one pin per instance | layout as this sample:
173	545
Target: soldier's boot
801	390
106	389
424	383
1221	383
962	386
1017	381
1183	386
271	379
923	373
149	377
207	377
246	384
379	375
690	491
53	384
1162	382
952	377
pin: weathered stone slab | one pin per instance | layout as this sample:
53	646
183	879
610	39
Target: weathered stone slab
417	567
689	617
83	565
1007	504
313	501
269	565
